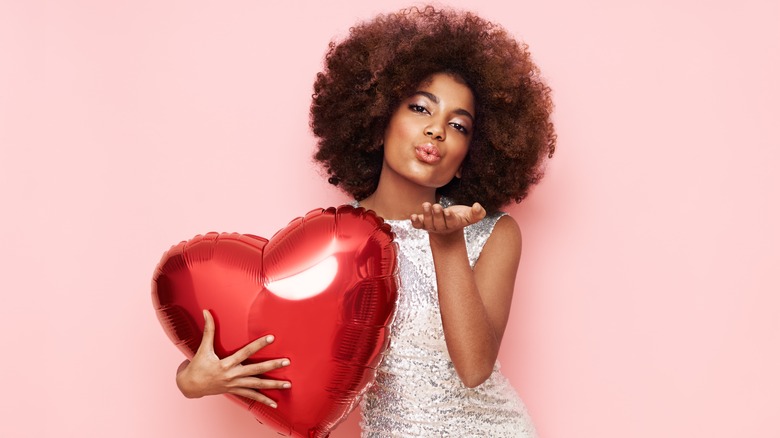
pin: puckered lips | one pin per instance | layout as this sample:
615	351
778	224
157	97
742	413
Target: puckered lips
427	153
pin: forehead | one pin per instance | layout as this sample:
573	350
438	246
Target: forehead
450	90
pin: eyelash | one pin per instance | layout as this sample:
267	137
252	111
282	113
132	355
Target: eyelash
460	128
421	109
418	108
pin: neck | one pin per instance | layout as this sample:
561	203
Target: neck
397	198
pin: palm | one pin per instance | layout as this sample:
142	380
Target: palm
464	215
437	219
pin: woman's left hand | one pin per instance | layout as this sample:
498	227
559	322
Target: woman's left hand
441	220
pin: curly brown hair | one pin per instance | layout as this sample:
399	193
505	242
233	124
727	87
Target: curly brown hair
383	61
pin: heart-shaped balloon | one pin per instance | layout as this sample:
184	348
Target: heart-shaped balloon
324	286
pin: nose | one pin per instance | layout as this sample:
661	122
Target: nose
435	131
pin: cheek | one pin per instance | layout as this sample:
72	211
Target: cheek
462	150
394	132
459	156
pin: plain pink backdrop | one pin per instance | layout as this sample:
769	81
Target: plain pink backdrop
647	303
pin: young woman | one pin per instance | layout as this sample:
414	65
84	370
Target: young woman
434	120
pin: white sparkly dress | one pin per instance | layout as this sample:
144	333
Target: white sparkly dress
417	392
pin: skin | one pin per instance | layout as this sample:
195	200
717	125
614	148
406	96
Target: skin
474	303
207	374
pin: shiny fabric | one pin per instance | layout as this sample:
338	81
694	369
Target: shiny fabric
417	392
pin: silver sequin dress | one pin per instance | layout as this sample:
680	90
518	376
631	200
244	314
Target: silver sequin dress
417	392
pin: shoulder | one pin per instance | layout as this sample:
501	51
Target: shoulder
506	240
497	224
498	264
496	231
507	228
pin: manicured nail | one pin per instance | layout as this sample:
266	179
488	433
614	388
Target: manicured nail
285	363
273	405
269	338
286	385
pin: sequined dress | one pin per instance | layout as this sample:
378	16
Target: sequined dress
417	392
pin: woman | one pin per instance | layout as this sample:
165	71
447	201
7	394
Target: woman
434	120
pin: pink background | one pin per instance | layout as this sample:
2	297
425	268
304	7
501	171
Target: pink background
647	303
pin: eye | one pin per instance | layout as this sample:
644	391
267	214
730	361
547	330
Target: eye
307	283
460	127
418	108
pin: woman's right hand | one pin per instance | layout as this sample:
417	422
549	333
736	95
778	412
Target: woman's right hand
207	374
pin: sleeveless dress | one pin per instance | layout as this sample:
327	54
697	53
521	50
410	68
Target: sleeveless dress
417	392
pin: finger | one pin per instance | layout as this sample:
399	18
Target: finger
207	343
257	383
439	223
417	221
253	395
450	218
459	218
255	369
427	216
477	212
248	350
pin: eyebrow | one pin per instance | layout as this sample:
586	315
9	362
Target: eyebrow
435	99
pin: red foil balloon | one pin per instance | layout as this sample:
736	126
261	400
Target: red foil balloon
324	286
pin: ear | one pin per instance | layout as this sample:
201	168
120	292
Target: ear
457	172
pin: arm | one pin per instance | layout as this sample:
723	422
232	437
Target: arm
474	303
207	374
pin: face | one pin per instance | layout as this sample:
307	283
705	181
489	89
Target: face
428	135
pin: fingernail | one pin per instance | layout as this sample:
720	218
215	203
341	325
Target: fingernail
286	385
269	338
285	363
273	405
